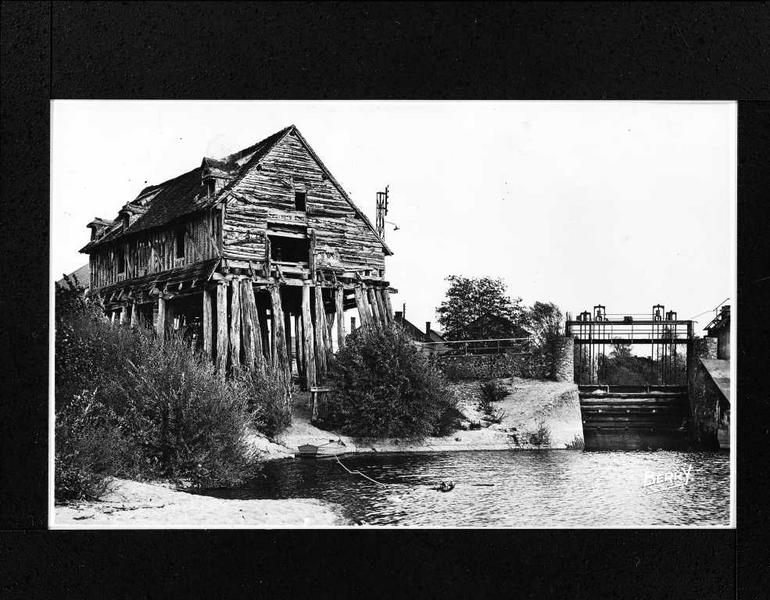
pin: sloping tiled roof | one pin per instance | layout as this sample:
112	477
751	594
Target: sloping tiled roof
182	196
160	204
719	322
416	333
80	277
491	321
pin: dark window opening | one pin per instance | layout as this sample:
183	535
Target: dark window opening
180	243
289	249
121	260
209	187
300	200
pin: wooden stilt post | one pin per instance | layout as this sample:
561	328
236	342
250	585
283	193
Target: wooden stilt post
122	319
330	334
328	320
287	332
160	324
247	323
307	335
298	345
338	305
273	360
381	307
258	338
235	324
375	310
112	317
361	306
320	334
207	324
279	333
134	314
388	306
264	333
222	337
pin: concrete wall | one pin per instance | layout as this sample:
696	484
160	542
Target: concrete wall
704	394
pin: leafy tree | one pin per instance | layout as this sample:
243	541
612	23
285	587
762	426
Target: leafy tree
543	319
469	298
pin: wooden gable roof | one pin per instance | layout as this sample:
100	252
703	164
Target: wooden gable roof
161	204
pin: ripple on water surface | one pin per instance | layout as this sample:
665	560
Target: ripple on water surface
529	489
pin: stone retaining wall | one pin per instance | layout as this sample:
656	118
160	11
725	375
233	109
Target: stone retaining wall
483	366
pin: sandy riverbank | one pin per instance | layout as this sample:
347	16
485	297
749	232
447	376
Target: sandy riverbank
529	403
135	505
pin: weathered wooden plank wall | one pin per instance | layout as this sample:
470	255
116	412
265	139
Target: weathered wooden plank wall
155	251
267	195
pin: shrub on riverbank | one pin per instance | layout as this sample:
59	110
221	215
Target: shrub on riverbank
88	448
385	387
129	406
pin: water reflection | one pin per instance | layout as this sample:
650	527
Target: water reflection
529	489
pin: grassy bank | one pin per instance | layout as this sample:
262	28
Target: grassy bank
528	405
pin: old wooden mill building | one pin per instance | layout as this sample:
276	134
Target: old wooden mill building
260	253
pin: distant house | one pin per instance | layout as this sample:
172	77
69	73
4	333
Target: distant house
80	278
719	328
427	335
489	327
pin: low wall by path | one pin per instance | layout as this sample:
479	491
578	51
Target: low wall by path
458	367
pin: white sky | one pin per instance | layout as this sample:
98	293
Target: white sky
619	203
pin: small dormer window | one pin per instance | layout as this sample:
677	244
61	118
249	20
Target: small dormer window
209	186
300	200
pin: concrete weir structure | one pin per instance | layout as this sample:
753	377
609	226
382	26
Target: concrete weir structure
671	411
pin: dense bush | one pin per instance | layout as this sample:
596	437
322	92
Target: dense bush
129	406
188	423
492	391
266	397
383	386
87	448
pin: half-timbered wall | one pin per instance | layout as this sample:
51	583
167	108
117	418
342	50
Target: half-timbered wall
156	251
265	198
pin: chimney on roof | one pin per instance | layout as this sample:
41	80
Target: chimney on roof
403	311
427	329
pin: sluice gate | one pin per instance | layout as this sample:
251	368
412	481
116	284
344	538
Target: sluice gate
634	417
632	398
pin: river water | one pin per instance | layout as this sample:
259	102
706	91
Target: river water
553	488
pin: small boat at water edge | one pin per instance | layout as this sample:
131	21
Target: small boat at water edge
330	449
